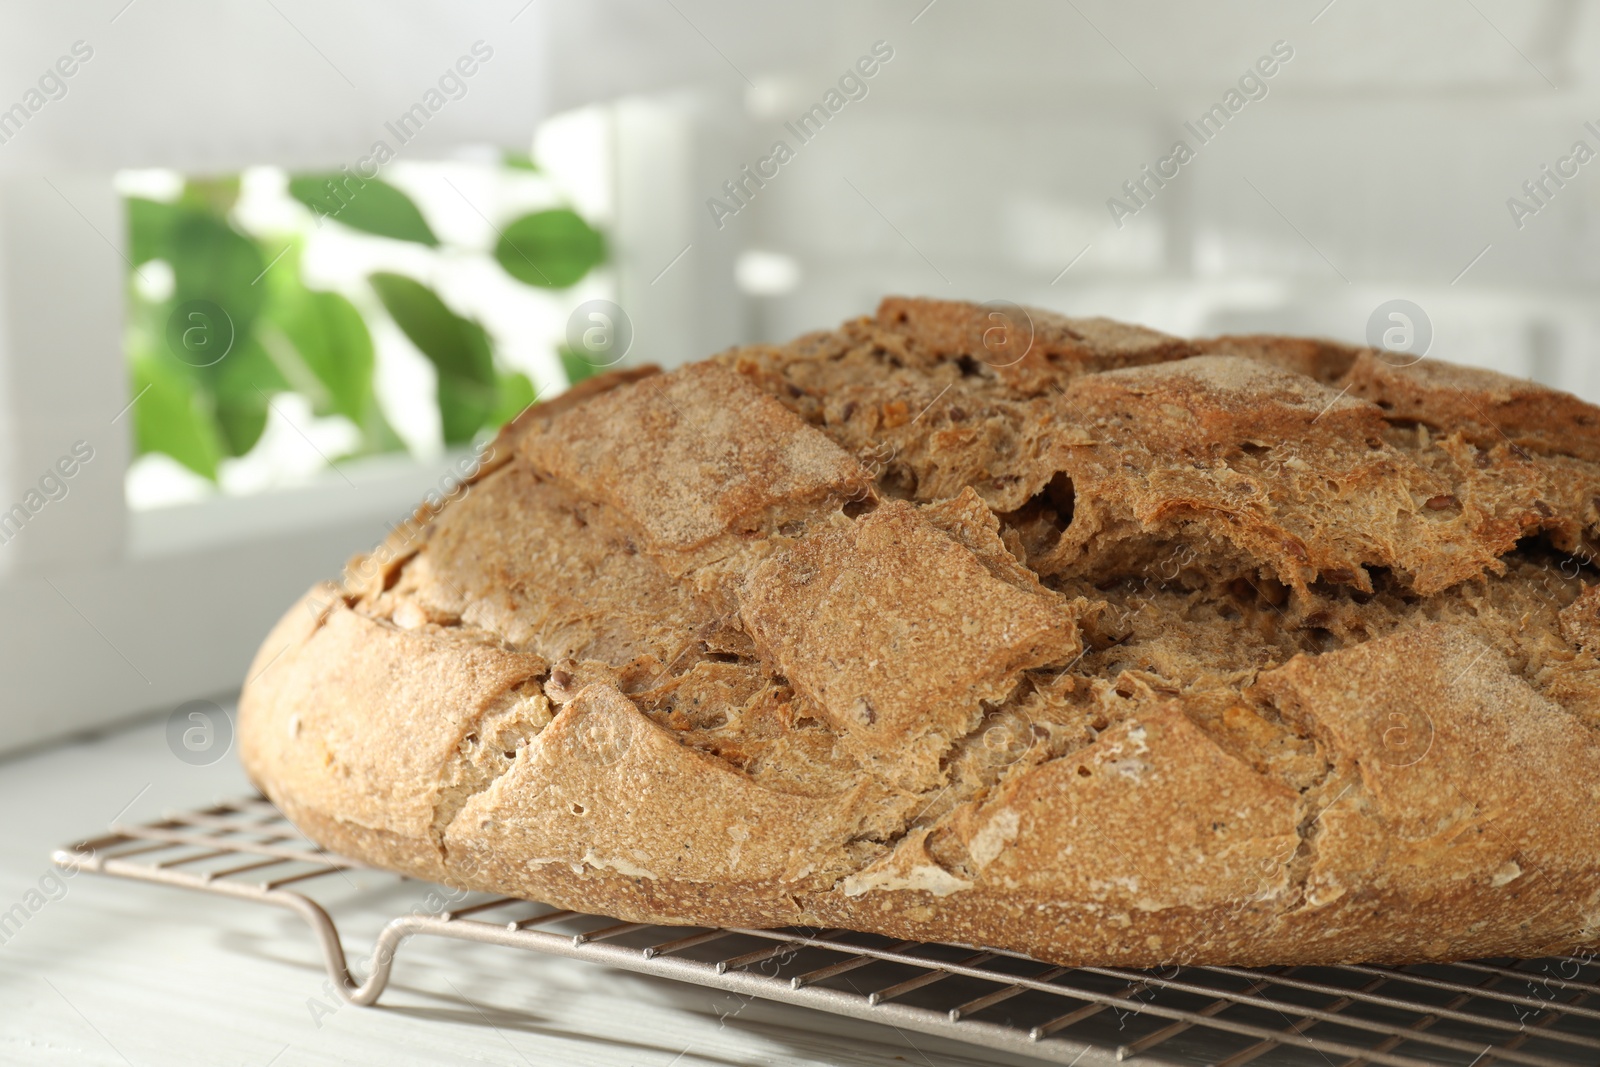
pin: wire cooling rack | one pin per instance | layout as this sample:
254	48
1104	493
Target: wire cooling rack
1540	1012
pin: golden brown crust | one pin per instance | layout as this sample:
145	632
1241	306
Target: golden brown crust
1486	407
1073	639
691	456
1026	348
1325	361
899	635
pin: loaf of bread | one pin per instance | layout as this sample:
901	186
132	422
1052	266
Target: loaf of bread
1055	635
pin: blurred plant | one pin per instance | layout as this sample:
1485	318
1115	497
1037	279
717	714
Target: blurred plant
240	326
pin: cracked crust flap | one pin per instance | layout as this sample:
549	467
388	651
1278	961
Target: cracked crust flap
1280	473
1323	361
1027	348
1451	763
356	717
692	455
1083	823
899	633
1489	408
578	799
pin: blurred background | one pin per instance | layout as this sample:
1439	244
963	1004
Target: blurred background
270	270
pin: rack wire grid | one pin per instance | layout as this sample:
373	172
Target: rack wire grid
1537	1012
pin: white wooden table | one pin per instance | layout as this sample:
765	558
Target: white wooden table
119	973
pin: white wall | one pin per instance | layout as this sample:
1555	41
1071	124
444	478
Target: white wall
217	86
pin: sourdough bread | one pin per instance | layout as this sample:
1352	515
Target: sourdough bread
1092	643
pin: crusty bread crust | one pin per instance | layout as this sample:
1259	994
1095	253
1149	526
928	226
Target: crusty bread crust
1077	640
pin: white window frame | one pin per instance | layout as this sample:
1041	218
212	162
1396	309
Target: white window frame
108	613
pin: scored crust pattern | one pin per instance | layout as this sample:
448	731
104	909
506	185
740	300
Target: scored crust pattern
1122	649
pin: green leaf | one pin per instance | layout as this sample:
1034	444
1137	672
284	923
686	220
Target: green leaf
332	340
170	417
576	365
550	249
463	408
518	160
213	261
456	345
241	387
365	204
149	228
458	348
336	359
213	196
514	393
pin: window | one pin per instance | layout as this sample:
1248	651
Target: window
280	323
